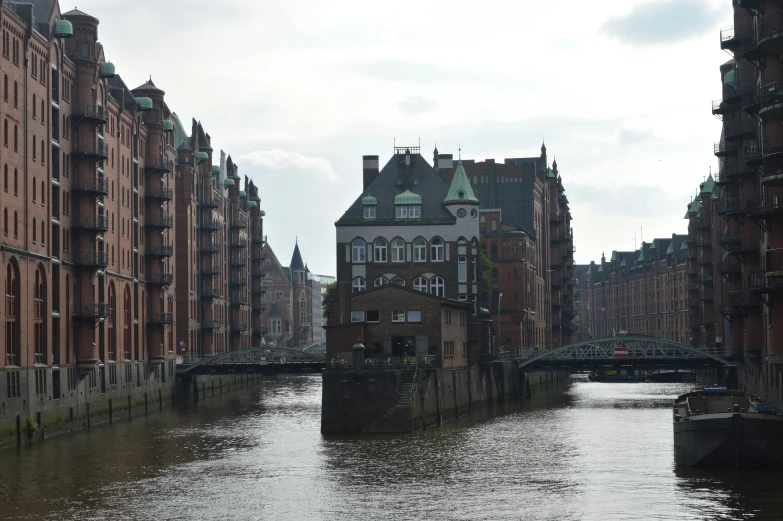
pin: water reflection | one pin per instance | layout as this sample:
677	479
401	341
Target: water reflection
598	451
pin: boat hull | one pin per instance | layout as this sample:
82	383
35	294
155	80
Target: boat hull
729	440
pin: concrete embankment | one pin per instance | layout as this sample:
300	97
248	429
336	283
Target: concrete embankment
395	401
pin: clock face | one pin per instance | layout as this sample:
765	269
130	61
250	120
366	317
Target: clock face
461	212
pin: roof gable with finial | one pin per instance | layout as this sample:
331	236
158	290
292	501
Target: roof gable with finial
460	190
296	260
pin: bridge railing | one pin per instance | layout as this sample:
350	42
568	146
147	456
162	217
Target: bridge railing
393	363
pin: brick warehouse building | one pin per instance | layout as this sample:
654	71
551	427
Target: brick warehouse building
526	231
411	226
640	292
108	207
748	224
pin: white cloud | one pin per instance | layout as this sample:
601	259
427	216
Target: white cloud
277	161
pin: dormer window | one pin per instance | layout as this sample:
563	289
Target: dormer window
414	212
402	212
369	212
369	205
407	205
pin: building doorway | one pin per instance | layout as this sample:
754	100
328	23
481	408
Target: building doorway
403	346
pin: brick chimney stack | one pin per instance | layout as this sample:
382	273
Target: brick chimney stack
369	170
446	167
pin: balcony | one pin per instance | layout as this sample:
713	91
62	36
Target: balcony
92	310
160	250
210	270
238	280
729	40
750	50
238	243
238	299
753	152
737	131
774	263
729	267
768	207
735	206
95	114
159	165
90	184
238	260
239	221
160	279
773	145
239	327
210	201
723	149
210	324
90	222
210	224
210	291
704	241
742	299
160	221
259	330
556	217
92	150
92	259
734	244
707	297
210	246
260	306
772	177
257	289
258	255
771	100
693	287
708	280
159	193
703	223
770	33
694	302
160	319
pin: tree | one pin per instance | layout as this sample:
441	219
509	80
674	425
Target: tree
485	272
329	297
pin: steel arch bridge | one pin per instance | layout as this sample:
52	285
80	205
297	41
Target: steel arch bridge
254	360
638	351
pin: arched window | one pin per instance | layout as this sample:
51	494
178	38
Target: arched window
436	250
5	178
12	305
35	110
437	286
16	225
358	251
398	250
380	281
34	189
16	181
420	284
43	113
5	222
43	192
34	230
16	138
5	88
493	225
358	284
5	133
379	251
43	156
126	323
39	312
112	322
43	237
419	250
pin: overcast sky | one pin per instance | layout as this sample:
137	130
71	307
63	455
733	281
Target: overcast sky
297	91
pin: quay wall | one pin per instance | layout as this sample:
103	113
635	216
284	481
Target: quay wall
379	401
73	401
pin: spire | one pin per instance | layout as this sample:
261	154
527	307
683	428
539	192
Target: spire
296	259
435	157
460	191
543	149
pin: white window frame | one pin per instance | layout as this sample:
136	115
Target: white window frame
437	286
398	316
436	249
420	284
357	316
414	212
369	212
462	269
278	295
380	281
401	212
398	250
419	250
358	251
414	315
358	284
380	250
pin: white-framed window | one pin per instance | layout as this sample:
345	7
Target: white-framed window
398	250
398	316
267	296
379	250
420	284
436	250
437	286
278	295
358	284
414	212
380	281
303	317
267	281
357	316
369	212
475	271
358	251
401	212
462	269
267	264
419	250
414	316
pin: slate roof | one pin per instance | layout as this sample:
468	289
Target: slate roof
296	261
149	86
42	9
76	12
390	182
181	139
203	142
274	312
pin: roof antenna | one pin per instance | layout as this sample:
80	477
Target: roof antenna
460	153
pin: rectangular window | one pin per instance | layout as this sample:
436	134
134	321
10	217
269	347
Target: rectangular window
414	212
462	269
448	316
465	349
357	316
461	318
278	295
267	281
398	316
369	212
414	316
373	316
402	212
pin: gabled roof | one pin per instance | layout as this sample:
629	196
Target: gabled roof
708	185
181	138
296	261
274	312
460	190
149	86
76	12
203	142
390	182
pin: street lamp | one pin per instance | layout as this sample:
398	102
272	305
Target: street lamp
500	296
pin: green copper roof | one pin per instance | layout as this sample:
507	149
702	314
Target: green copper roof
201	157
254	197
107	70
229	182
709	185
251	205
181	139
242	194
215	169
168	126
641	256
684	245
369	201
589	271
601	268
622	264
407	197
144	103
63	29
730	78
550	174
460	190
614	256
671	249
263	213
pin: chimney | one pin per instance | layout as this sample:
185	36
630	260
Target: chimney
446	167
369	170
491	161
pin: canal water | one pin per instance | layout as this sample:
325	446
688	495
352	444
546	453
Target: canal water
597	452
